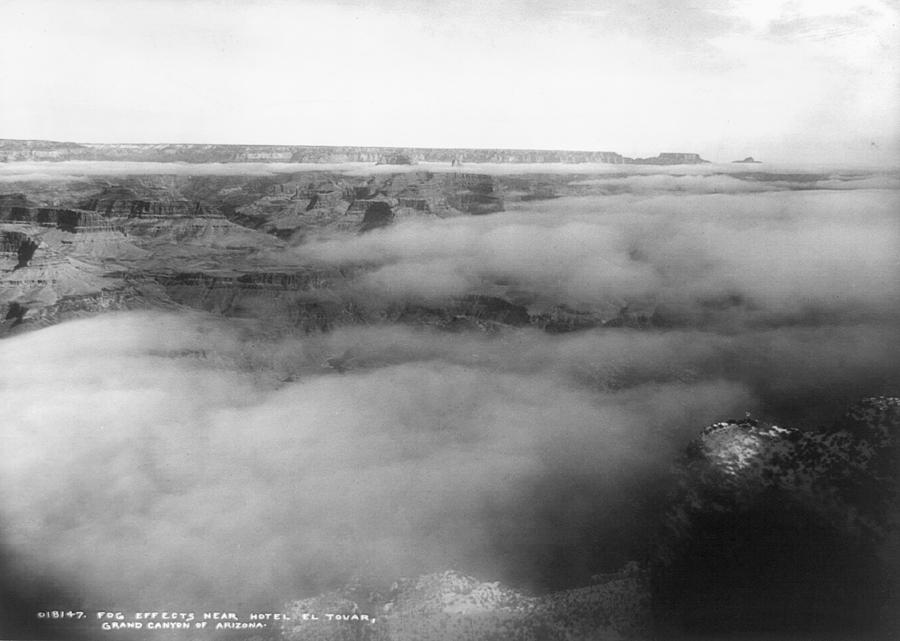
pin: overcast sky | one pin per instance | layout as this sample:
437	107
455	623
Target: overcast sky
794	80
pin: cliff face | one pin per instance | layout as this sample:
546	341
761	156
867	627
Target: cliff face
18	150
40	285
136	208
54	265
473	193
668	158
770	530
307	203
69	220
17	246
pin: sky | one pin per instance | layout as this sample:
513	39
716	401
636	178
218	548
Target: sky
786	81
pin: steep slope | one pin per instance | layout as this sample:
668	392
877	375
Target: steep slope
44	281
770	531
773	528
450	606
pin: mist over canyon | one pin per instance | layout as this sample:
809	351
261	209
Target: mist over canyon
234	386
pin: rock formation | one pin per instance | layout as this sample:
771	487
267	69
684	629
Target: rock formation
43	150
473	193
450	606
669	158
378	214
775	529
771	530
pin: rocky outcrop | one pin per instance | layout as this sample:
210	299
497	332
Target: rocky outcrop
297	280
14	200
69	220
53	287
80	305
378	214
477	312
771	531
17	246
748	160
51	267
473	193
669	158
321	299
534	187
123	202
304	205
304	300
773	528
451	606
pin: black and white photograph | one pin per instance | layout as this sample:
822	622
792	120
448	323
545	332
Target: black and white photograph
449	320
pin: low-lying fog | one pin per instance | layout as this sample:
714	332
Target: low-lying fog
785	255
153	460
75	169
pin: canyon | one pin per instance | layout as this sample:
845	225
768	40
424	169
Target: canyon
228	242
475	391
219	243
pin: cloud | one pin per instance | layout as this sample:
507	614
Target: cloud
663	182
680	177
159	461
144	473
770	257
725	179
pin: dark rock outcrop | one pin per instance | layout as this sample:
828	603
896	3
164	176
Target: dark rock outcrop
25	252
15	312
68	220
473	193
378	214
771	532
774	529
468	312
18	246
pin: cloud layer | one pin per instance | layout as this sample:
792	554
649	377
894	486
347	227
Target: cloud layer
769	258
143	472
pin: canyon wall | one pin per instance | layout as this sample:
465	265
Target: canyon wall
19	150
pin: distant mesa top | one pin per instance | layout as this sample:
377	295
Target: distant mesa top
749	160
52	151
669	158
